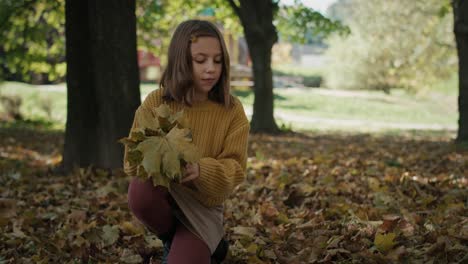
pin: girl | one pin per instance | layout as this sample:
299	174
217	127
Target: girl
189	217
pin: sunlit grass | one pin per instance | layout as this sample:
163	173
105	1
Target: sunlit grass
315	106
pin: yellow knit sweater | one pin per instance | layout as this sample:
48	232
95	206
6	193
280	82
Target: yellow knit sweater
221	135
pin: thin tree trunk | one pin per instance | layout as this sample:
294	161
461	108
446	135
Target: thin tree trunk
460	11
102	80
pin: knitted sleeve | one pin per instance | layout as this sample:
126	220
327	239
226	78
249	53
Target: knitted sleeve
220	175
130	170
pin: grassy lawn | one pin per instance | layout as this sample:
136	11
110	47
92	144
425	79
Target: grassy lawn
438	107
36	100
398	107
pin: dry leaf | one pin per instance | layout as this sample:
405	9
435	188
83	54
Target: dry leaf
384	242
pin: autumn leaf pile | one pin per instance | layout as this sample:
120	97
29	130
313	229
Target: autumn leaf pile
316	198
160	145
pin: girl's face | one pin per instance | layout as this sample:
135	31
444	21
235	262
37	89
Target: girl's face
207	61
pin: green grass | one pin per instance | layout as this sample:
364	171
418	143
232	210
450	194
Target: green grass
398	107
447	87
438	107
147	88
35	99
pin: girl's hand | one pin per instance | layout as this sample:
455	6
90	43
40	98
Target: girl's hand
192	171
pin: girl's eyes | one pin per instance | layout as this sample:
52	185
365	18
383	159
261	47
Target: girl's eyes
204	60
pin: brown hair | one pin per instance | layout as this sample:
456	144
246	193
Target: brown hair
177	79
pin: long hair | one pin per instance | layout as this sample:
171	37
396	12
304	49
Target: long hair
177	80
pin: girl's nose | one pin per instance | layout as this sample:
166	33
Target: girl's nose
210	66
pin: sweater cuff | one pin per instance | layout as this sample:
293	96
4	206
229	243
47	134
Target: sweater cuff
205	183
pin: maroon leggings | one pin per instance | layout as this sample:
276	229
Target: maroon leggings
153	207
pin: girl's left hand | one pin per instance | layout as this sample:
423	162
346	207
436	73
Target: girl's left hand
192	171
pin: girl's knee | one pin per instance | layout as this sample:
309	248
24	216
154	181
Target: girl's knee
143	197
188	248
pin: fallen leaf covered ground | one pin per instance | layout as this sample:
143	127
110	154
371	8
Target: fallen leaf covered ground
315	198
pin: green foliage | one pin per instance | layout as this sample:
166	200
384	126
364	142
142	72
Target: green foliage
405	44
157	19
445	8
298	23
32	39
33	42
312	81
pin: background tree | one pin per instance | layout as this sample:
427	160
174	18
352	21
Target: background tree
258	21
32	43
260	33
300	24
460	14
393	44
102	80
156	20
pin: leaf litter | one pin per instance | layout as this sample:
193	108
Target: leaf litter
316	198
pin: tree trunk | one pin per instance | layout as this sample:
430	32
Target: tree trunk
460	11
263	107
102	81
257	20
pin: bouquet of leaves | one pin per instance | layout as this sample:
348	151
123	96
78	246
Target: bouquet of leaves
161	145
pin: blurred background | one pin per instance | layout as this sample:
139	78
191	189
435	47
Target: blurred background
352	65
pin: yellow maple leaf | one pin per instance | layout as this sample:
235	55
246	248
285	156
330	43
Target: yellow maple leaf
134	157
146	119
161	180
128	142
162	111
384	242
151	151
160	144
171	165
141	173
180	118
181	140
137	135
130	228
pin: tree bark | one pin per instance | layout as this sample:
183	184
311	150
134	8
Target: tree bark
460	11
263	107
102	81
260	33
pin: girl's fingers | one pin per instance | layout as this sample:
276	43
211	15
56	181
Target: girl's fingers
189	169
191	173
188	172
187	178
